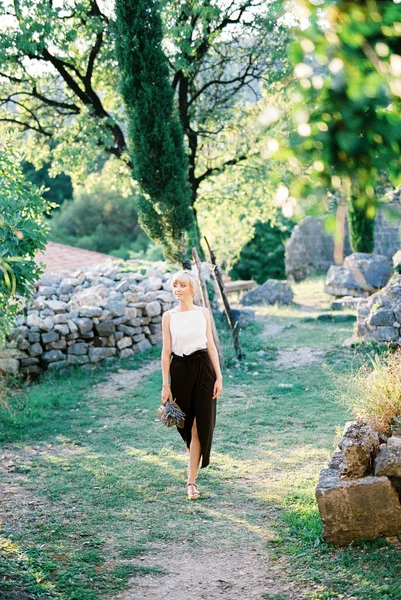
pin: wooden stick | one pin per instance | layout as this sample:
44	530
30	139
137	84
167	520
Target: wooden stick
226	304
206	302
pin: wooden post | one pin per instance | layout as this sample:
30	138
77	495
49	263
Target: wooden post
226	304
206	302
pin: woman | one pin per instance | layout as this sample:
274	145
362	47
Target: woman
189	355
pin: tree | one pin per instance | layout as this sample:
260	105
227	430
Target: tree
160	162
262	257
57	189
347	125
57	76
23	232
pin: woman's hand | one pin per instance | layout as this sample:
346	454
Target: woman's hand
218	388
165	393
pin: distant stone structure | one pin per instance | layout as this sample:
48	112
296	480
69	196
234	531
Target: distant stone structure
310	248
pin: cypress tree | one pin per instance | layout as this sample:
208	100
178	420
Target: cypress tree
361	225
154	130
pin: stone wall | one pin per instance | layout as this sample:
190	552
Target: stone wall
80	318
310	249
379	316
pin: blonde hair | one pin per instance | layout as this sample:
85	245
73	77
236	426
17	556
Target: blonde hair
189	278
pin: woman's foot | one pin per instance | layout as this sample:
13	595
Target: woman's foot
192	491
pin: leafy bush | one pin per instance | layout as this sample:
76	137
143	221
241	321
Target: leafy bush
103	220
263	256
22	233
374	392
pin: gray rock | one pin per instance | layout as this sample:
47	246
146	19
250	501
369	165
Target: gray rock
35	349
375	268
50	280
143	345
385	334
381	317
62	329
35	322
127	329
125	342
243	316
90	311
117	309
357	509
77	359
52	356
9	366
96	354
123	286
51	336
153	309
78	348
345	303
394	441
126	353
359	445
270	292
105	328
84	325
34	336
56	366
61	318
72	327
56	305
388	462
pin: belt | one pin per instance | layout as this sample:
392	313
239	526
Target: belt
202	353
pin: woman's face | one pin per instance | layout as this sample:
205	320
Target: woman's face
182	290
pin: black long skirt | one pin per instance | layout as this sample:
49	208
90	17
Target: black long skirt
192	380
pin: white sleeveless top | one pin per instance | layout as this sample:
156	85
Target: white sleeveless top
188	331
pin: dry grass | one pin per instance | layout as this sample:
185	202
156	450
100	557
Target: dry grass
374	393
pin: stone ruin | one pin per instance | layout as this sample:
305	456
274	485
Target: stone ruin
379	316
82	317
358	495
360	275
272	291
310	249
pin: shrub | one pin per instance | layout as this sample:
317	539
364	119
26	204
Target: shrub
263	256
102	220
374	392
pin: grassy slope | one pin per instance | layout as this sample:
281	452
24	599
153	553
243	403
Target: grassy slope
103	491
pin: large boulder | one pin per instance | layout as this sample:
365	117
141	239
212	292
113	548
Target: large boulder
360	275
357	509
270	292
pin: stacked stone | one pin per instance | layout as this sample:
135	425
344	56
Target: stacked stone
379	316
81	318
359	493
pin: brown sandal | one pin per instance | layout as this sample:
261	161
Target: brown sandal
194	494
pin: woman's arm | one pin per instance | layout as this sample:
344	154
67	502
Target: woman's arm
166	356
214	357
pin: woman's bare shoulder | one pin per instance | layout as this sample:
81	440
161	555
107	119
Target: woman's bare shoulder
205	311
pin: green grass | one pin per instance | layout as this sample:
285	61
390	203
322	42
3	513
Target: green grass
106	482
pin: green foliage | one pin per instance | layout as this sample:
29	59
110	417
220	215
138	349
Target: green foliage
58	76
360	226
100	219
160	163
22	233
58	188
262	257
347	122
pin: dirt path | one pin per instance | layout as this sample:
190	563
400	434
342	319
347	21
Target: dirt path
232	574
124	380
